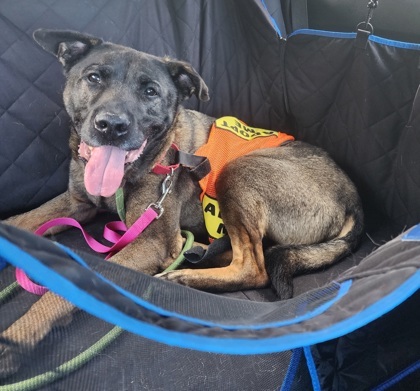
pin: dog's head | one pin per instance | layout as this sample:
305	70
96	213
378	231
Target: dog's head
122	103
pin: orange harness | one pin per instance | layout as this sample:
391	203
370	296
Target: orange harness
229	139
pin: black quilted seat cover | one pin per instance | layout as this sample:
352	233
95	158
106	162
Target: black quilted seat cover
361	105
355	103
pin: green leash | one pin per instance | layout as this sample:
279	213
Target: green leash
84	357
66	368
119	200
5	293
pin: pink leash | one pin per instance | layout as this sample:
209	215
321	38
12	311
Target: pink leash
110	233
120	241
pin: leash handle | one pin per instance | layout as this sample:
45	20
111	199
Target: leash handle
68	221
39	290
30	286
110	233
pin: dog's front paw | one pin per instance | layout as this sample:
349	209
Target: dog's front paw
9	360
182	277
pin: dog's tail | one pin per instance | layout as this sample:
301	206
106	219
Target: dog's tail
283	262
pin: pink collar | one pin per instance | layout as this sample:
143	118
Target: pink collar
166	170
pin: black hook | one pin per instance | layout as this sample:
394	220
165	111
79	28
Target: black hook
372	4
364	29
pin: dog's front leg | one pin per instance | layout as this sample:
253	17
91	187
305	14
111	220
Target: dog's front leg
67	204
155	249
160	242
24	334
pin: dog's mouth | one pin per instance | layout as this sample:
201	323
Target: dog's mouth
105	166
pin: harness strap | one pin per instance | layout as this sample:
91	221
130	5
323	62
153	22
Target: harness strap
199	166
197	254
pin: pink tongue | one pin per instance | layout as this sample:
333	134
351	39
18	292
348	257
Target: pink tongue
104	170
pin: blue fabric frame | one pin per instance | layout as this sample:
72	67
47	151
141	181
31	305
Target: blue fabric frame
81	299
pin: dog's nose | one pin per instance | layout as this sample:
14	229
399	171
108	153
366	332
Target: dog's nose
112	124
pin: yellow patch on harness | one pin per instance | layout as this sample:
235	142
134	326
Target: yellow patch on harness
212	220
242	130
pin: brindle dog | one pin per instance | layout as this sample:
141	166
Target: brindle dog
125	111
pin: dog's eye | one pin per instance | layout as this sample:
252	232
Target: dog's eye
150	91
94	78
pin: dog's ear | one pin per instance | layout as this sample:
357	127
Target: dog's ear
68	46
187	80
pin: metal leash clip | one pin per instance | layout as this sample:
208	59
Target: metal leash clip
166	189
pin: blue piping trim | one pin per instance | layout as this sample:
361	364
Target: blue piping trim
312	368
342	291
373	38
413	234
292	370
398	377
323	33
226	345
397	44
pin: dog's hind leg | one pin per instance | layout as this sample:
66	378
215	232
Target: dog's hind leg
246	227
245	214
283	262
246	270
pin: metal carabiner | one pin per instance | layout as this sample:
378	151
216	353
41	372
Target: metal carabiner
167	184
166	189
372	4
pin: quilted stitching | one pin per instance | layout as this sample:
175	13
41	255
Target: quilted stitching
356	105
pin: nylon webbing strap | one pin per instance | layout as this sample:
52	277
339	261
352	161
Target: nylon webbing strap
365	29
199	166
119	200
198	254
